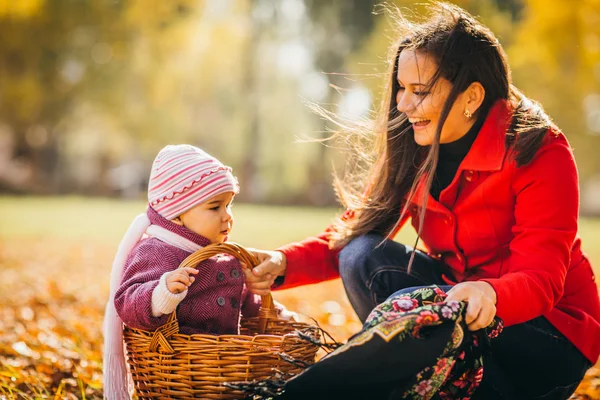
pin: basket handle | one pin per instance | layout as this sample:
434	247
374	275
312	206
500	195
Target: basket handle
267	310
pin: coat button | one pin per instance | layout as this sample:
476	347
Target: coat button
220	276
448	220
234	303
235	273
221	301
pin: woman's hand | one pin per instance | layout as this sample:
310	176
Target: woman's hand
260	279
481	299
179	280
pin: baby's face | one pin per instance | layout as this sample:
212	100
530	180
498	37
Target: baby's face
212	219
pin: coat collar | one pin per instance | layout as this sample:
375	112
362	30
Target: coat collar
489	148
487	152
157	219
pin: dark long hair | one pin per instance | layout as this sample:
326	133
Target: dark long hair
465	51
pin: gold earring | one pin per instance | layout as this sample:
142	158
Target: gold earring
467	113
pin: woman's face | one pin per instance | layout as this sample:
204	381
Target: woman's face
423	108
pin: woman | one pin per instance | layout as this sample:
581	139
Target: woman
491	187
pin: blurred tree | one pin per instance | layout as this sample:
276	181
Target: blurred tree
55	56
20	9
555	59
287	43
514	7
340	28
87	86
43	63
249	173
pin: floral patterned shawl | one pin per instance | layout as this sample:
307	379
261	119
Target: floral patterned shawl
412	346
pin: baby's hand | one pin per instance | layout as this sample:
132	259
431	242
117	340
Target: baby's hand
179	280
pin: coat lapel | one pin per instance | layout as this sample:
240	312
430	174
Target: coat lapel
486	154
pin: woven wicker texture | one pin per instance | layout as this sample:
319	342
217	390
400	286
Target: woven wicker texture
168	365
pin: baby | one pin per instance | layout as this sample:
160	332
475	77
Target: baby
190	195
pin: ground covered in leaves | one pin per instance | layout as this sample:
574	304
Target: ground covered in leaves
52	297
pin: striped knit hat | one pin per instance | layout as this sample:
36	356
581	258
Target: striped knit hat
184	176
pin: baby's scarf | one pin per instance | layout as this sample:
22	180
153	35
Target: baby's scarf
116	385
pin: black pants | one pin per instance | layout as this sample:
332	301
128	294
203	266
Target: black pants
532	360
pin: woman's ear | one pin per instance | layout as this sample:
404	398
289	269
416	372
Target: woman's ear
475	94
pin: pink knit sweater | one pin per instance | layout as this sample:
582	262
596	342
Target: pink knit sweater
214	301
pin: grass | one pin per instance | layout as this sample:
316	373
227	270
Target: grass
106	220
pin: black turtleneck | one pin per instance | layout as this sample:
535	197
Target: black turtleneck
450	157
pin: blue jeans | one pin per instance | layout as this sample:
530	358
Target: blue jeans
532	360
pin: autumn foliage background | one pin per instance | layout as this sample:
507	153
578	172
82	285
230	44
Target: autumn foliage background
91	90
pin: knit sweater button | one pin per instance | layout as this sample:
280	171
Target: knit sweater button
235	273
221	301
220	276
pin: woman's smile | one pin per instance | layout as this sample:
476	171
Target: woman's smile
419	123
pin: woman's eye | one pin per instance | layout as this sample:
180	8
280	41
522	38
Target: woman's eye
421	93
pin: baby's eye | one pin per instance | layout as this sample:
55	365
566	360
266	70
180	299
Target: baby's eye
215	208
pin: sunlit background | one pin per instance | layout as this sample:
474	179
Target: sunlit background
91	90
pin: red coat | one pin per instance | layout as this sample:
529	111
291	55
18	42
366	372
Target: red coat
515	228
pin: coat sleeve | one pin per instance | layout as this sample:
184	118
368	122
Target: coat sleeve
546	211
309	261
133	299
312	260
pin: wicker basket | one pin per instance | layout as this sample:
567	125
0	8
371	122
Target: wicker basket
168	365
